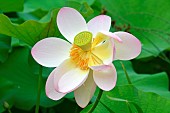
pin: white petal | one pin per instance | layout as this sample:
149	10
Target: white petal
128	48
72	80
106	78
50	90
84	93
100	67
63	68
70	22
50	52
68	77
99	23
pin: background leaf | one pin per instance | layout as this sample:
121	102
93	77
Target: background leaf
11	5
30	31
157	83
23	80
122	97
32	5
5	45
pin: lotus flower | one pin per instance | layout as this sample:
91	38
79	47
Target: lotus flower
86	60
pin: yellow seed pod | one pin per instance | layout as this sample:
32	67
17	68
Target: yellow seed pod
83	40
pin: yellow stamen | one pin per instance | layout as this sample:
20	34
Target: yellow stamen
80	57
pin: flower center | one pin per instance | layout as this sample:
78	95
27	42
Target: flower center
80	57
81	52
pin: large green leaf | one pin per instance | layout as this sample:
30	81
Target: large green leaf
11	5
157	83
30	31
5	45
25	84
128	99
148	20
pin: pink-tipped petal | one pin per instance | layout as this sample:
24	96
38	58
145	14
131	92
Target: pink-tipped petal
129	48
111	35
99	23
106	78
84	93
70	22
68	77
50	52
50	90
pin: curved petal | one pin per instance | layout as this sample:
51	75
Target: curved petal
72	80
50	52
84	93
63	68
50	90
111	35
129	48
70	22
104	48
99	23
101	67
106	78
68	77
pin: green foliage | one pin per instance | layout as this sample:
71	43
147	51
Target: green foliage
30	31
5	45
24	83
157	83
128	99
11	5
46	5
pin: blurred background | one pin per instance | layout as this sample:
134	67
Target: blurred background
24	22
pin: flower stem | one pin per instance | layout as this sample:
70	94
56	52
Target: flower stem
97	101
39	90
127	76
